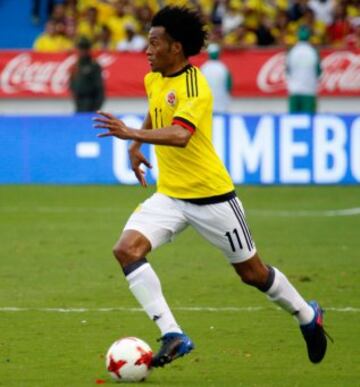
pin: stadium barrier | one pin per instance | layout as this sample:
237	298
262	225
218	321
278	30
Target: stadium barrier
261	149
261	73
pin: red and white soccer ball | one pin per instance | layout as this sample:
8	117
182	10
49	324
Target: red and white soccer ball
129	360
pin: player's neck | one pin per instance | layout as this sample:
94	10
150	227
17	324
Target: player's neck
175	69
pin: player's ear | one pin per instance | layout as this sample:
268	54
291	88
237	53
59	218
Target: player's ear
177	47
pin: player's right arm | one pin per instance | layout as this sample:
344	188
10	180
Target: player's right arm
136	156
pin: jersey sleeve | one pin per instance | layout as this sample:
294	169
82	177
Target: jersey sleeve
193	101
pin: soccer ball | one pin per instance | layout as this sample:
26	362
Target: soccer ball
129	359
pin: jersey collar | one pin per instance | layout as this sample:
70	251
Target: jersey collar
179	72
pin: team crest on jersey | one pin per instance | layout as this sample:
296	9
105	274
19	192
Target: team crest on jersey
171	98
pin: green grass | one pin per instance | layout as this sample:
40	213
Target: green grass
55	252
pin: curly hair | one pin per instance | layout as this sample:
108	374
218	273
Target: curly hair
182	25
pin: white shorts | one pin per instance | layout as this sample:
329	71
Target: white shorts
223	224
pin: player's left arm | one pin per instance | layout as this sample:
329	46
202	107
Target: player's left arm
136	156
173	135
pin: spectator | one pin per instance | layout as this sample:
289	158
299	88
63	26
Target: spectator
317	27
219	79
254	9
70	32
284	30
58	13
119	20
71	18
340	27
104	40
144	15
86	83
323	9
216	35
264	23
71	8
65	14
218	12
303	71
298	9
53	39
105	10
231	19
36	9
89	26
352	8
67	41
264	33
241	37
133	41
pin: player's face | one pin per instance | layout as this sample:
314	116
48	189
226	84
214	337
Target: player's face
160	50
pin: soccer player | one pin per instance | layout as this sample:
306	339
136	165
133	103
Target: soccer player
193	188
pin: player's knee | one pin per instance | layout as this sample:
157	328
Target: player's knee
255	278
251	278
253	272
126	253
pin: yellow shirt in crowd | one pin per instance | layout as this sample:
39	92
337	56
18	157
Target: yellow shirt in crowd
48	43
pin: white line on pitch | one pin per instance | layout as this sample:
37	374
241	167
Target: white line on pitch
254	212
302	213
345	309
60	210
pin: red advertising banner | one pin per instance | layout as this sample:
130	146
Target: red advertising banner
255	73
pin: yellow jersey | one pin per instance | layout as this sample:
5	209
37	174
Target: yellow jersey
185	99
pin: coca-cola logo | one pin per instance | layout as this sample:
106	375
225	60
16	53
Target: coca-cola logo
23	73
341	73
271	77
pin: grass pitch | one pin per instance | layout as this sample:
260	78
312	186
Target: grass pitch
56	253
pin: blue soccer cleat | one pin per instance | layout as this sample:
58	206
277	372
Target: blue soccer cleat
315	335
174	345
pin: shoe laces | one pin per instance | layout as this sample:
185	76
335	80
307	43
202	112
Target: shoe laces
320	322
328	336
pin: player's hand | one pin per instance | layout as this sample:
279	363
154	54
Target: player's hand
115	127
136	159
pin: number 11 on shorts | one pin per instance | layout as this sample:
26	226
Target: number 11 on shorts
231	241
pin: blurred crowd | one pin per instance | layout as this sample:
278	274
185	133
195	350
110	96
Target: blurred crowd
123	25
